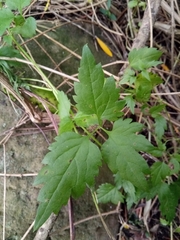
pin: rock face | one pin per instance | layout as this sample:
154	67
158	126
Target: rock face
23	153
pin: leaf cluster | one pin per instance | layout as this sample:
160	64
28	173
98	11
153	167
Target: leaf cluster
74	158
12	19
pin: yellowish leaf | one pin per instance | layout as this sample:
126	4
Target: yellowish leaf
47	5
104	47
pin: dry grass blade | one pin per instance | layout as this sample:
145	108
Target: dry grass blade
33	115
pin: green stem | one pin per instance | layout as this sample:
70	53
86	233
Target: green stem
36	67
102	220
171	231
91	136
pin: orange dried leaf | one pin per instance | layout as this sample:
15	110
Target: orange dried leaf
104	47
165	67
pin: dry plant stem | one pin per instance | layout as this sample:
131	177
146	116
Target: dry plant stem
130	21
41	131
18	175
4	192
91	218
71	221
167	8
43	102
44	230
79	9
41	66
102	220
50	69
172	42
22	121
60	45
107	29
32	115
47	54
144	31
27	232
150	24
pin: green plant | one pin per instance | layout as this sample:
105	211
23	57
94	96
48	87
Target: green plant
107	11
74	158
16	23
13	23
136	3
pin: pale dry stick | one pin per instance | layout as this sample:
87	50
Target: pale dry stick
105	28
28	8
177	8
94	196
18	175
172	41
48	55
4	192
27	232
22	121
150	24
164	94
52	70
83	8
131	24
32	114
167	8
41	66
91	218
12	104
44	230
144	31
60	45
44	103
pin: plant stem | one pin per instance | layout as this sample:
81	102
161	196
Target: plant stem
102	220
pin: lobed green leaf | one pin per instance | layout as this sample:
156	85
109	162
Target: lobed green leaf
144	58
168	197
17	4
120	152
94	93
109	193
129	189
130	102
71	164
160	126
159	171
28	29
6	17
